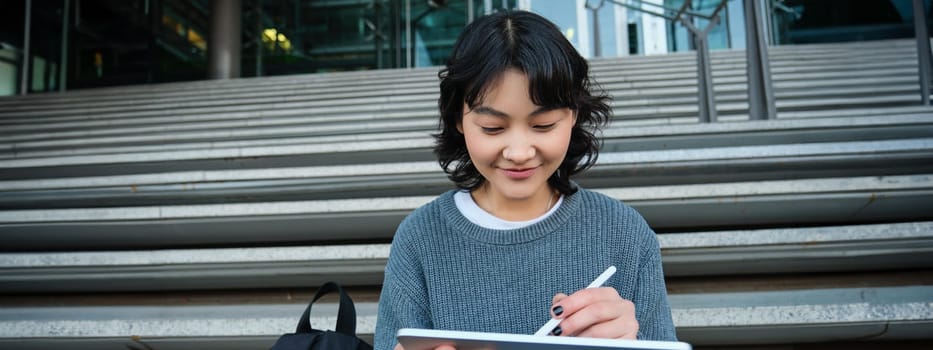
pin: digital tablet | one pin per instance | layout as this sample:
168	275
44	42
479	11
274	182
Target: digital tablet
424	339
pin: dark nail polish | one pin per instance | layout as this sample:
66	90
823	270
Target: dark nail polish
558	310
557	331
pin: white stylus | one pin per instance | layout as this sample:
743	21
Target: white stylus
598	282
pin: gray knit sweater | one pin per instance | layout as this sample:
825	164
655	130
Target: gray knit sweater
444	272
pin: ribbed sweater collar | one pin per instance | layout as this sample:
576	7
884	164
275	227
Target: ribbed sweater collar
460	225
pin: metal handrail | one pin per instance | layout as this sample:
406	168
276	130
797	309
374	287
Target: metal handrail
706	97
761	96
761	103
924	59
684	9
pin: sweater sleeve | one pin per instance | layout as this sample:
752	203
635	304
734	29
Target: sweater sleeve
403	300
653	311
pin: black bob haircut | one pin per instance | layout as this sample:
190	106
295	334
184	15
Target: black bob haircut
557	76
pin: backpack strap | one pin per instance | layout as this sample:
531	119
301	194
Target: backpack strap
346	312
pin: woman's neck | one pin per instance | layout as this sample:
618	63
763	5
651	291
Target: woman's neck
515	209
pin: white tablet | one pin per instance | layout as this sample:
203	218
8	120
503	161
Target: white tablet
425	339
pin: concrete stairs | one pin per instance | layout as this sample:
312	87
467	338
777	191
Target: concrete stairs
204	214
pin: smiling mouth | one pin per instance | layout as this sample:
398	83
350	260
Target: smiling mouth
519	173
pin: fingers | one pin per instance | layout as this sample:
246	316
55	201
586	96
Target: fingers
581	299
595	312
608	320
442	347
558	297
611	330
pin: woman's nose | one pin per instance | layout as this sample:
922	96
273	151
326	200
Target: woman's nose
519	152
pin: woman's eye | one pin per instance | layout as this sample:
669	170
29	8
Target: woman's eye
491	130
545	126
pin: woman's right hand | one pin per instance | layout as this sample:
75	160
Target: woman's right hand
442	347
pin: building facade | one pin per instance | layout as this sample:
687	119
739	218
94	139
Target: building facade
56	45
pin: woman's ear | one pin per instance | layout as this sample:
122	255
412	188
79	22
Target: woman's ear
460	126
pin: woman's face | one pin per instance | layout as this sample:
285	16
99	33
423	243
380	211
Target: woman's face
516	145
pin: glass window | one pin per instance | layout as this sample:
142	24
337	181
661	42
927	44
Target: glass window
119	42
567	16
817	21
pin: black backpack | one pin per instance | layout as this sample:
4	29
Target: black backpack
344	338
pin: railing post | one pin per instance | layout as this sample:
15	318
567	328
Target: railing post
760	95
63	63
924	60
706	95
597	49
26	57
224	45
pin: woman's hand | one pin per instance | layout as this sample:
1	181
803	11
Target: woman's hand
442	347
595	313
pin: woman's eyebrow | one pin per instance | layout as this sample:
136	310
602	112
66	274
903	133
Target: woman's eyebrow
486	110
543	109
490	111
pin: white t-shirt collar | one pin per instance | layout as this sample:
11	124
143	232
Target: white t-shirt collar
468	207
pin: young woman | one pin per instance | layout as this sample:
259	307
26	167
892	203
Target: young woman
498	255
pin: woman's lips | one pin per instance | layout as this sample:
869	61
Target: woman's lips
518	174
